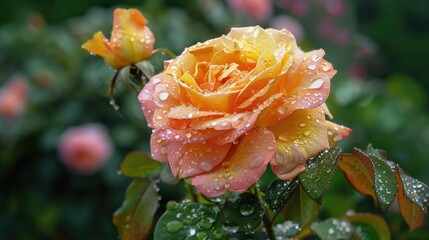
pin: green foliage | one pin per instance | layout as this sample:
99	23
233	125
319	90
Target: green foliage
134	218
189	220
242	214
319	173
332	229
279	192
139	164
368	226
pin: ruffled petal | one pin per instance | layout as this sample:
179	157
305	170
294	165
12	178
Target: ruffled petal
187	160
100	45
336	132
299	137
243	167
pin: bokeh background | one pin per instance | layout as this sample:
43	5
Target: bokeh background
380	49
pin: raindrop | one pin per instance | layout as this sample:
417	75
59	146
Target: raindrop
256	162
307	133
230	226
270	148
282	109
318	83
331	231
206	166
174	226
163	96
246	209
192	232
312	67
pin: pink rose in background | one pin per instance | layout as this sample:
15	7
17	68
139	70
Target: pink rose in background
85	149
13	97
257	10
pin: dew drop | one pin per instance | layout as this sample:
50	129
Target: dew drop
163	96
206	166
246	209
174	226
256	162
270	148
318	83
302	124
282	109
230	226
307	133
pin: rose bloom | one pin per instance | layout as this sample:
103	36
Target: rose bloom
85	149
225	108
13	97
131	41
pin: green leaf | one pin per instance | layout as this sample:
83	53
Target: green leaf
242	213
134	218
300	208
146	67
139	164
189	220
376	152
319	173
412	199
370	175
384	182
333	229
279	192
369	226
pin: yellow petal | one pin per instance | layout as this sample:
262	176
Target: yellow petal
299	137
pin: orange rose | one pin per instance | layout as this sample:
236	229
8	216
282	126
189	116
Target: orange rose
131	40
227	107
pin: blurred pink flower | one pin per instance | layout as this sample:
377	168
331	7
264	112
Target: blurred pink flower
296	7
257	10
86	148
290	24
336	8
13	97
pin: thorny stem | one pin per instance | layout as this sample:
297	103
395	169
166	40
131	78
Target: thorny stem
164	51
266	219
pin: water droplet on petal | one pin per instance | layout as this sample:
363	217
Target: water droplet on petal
163	96
206	166
318	83
270	148
282	109
256	161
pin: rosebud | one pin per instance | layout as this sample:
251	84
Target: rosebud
131	40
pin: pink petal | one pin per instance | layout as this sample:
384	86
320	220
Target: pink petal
187	160
242	168
158	147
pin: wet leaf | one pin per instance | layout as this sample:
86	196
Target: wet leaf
370	175
286	230
319	173
134	218
139	164
189	220
300	208
279	192
333	229
242	213
369	226
412	199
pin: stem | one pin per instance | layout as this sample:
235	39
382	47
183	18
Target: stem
191	192
164	51
266	219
